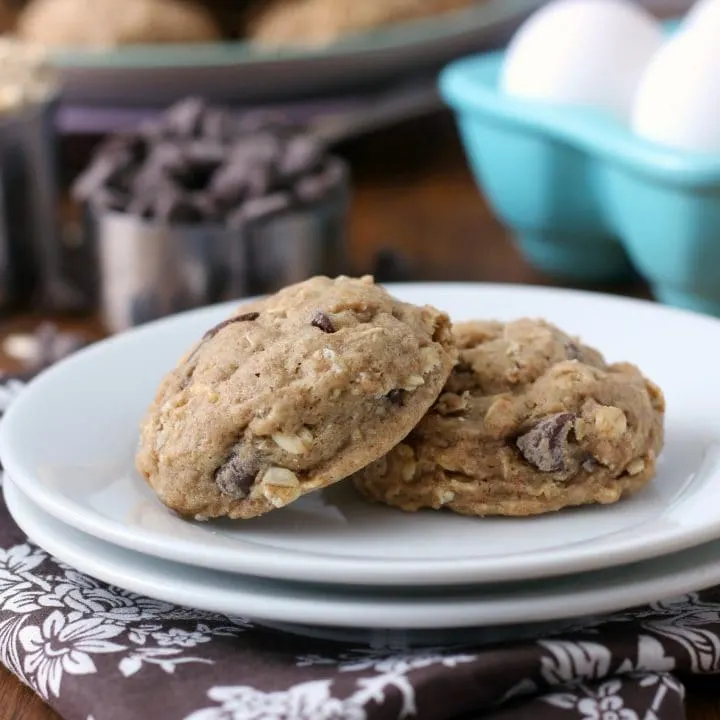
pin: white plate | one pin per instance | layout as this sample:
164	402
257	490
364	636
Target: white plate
590	594
232	72
69	440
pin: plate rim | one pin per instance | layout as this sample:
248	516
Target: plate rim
400	613
396	36
276	563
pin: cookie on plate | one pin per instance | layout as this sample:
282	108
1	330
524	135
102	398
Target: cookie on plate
112	23
303	22
292	393
530	421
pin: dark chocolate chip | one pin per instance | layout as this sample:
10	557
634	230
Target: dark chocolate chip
546	446
572	350
167	156
177	208
263	147
236	476
206	152
210	208
245	317
259	180
109	199
141	206
184	119
230	184
321	321
105	172
257	120
318	186
218	125
396	397
258	208
301	155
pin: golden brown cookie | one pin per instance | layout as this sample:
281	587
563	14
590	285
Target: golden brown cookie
9	12
530	421
291	394
112	23
316	22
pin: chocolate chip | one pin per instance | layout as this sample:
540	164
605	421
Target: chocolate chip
259	180
546	446
256	120
236	476
167	157
206	152
109	199
321	321
105	172
264	147
312	188
572	350
245	317
184	119
218	125
301	155
177	208
141	206
396	397
232	183
258	208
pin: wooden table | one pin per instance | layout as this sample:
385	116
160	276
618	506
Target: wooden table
415	196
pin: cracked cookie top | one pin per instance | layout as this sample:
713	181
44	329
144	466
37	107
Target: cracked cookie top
290	394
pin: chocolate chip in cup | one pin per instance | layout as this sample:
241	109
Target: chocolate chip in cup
202	206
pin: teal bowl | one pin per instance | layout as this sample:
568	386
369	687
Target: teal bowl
586	199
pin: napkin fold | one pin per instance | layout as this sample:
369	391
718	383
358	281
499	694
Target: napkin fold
97	652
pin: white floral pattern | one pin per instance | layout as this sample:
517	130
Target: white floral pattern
87	619
58	647
603	703
313	700
307	701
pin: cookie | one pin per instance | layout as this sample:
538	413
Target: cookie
530	421
112	23
290	394
9	11
303	22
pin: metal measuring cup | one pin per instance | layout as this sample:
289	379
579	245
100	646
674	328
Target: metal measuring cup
149	269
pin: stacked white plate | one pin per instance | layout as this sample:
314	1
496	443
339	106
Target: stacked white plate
334	565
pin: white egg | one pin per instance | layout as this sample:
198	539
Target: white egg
582	52
678	101
704	15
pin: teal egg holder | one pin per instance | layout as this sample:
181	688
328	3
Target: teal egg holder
585	198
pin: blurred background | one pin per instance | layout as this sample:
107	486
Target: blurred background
159	155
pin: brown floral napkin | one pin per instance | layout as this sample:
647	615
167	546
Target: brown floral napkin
97	652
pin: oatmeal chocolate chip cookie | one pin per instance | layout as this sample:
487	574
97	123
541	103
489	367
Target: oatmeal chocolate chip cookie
291	394
302	22
112	23
530	421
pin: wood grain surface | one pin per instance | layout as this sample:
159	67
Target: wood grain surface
414	198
